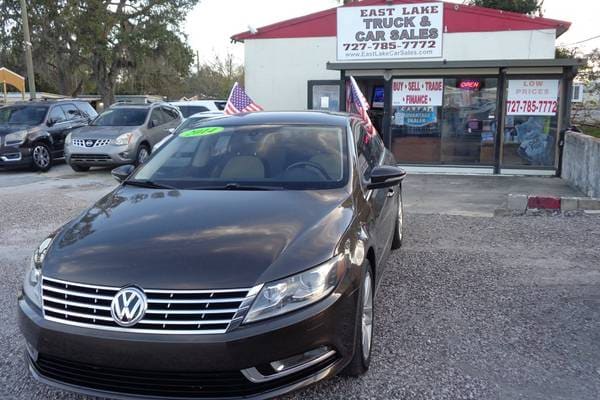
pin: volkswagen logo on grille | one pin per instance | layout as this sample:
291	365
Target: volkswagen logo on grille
128	306
89	143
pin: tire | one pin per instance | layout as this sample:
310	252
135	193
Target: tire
364	326
79	168
142	154
397	240
41	157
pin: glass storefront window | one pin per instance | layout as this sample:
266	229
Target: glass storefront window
530	127
459	129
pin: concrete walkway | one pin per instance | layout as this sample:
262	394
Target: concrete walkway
474	195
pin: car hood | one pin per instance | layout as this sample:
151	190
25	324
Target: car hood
5	129
101	132
199	239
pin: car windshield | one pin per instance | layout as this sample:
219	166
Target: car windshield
251	157
122	117
186	111
23	115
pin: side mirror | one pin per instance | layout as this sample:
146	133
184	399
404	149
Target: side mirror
386	176
171	130
121	173
153	123
50	123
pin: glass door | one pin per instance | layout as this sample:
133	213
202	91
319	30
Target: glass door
531	123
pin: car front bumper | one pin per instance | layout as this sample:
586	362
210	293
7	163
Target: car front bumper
109	155
114	364
15	156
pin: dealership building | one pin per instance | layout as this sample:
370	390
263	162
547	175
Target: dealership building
451	87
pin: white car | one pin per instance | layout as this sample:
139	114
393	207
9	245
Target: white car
186	122
192	107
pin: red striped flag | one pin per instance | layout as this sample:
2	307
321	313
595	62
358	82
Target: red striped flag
356	103
240	102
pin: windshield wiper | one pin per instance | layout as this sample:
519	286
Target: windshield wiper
148	184
237	186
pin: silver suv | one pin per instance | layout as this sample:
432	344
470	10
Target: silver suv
123	134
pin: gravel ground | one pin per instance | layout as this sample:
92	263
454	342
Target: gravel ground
471	307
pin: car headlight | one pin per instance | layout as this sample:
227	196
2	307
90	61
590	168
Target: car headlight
297	291
16	138
32	286
124	139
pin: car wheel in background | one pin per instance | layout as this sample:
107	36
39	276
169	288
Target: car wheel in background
41	157
397	240
142	154
80	168
364	340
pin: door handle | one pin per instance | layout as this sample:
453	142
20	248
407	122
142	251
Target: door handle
391	192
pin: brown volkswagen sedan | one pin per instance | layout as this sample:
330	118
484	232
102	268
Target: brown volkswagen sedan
240	261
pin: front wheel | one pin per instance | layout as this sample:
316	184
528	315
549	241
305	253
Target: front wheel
41	156
397	240
364	340
142	154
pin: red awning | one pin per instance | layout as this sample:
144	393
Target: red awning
457	18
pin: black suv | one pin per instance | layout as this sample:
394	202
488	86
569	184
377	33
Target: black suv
33	133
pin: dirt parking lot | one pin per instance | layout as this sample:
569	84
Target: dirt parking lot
473	306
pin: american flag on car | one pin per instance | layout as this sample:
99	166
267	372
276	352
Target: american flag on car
240	102
356	103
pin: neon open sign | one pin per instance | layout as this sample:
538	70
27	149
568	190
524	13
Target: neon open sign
469	84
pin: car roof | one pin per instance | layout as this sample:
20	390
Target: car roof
137	105
194	102
284	118
206	114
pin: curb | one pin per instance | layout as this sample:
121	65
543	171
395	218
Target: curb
522	203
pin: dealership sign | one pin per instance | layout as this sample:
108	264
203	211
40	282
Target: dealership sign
417	92
532	97
390	32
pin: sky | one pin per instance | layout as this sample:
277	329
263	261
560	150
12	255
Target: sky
212	22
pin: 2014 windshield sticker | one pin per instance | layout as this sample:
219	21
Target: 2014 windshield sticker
209	130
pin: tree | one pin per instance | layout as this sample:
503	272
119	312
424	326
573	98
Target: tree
215	79
520	6
586	112
100	43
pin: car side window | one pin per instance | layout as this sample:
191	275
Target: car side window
86	110
56	115
157	117
170	114
369	149
71	112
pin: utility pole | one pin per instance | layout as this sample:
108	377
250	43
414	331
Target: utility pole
28	57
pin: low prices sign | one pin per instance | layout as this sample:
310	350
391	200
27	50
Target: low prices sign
532	97
390	32
417	92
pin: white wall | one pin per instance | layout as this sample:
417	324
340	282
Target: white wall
277	70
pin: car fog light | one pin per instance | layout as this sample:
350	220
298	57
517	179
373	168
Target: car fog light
287	366
297	360
33	353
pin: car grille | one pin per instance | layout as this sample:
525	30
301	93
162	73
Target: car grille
169	311
181	384
90	142
91	157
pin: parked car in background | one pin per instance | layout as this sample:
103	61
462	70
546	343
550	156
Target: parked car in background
123	134
32	134
187	122
192	107
240	261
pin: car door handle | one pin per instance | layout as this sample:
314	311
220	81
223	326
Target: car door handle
391	192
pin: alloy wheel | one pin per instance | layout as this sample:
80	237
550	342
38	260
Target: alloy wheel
367	315
41	156
400	216
143	155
